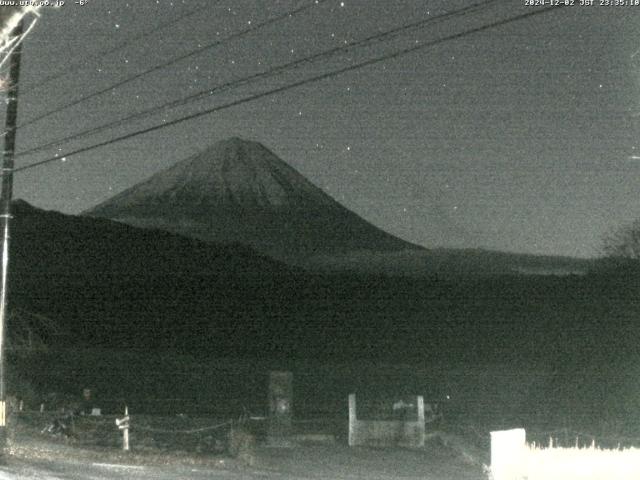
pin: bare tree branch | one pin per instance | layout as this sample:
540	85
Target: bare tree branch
623	243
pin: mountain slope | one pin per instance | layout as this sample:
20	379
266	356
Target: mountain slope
110	284
239	191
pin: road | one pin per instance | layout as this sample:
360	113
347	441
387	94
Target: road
302	462
72	470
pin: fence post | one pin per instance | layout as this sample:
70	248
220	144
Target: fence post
125	435
508	449
353	419
421	426
123	424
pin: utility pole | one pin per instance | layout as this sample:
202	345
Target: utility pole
5	213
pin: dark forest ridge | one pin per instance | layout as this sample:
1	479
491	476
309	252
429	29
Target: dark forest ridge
109	285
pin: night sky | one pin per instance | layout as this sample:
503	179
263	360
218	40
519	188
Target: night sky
523	137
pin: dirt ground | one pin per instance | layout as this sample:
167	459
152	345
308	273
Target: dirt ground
34	455
311	461
435	462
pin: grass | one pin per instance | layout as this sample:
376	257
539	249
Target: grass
534	462
590	463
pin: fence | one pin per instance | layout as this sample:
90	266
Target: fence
151	433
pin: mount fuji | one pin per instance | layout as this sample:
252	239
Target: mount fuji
238	191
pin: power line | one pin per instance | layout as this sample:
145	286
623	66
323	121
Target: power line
102	53
290	86
161	66
261	75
